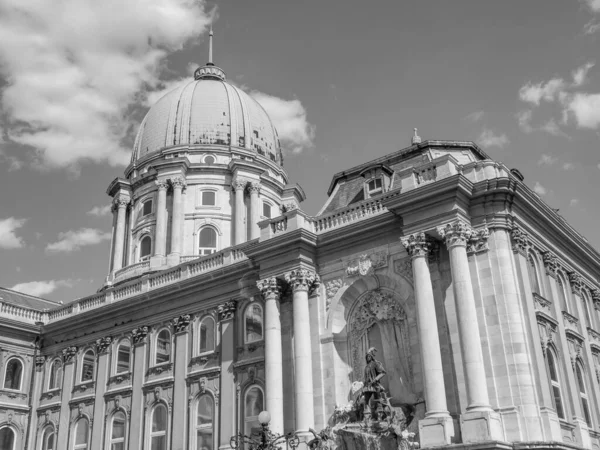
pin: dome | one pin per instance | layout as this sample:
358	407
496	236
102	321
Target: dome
207	111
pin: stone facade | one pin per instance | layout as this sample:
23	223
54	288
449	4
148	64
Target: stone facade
482	301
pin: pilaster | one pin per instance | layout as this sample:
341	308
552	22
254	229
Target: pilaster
36	392
102	352
254	189
136	421
120	204
180	404
178	184
69	355
160	237
239	186
228	414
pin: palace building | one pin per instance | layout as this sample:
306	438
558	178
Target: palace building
224	298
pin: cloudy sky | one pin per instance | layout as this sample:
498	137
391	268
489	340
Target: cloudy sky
345	81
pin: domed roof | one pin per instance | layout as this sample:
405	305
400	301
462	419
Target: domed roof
207	111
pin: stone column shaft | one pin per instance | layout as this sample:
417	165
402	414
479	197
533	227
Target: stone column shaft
302	281
69	355
228	415
180	401
176	237
240	228
121	206
254	210
137	397
271	290
160	239
38	382
102	347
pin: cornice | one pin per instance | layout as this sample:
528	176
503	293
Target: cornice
117	184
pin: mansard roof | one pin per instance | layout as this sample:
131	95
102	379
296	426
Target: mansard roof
28	301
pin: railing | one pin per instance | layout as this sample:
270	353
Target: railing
207	263
165	277
131	271
189	258
128	290
19	313
350	214
91	302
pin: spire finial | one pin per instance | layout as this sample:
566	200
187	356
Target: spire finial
210	53
416	138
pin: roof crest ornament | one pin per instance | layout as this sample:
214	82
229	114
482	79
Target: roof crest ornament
209	71
416	139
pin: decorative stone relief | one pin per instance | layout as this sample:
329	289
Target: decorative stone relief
81	388
103	344
331	288
161	184
550	263
203	359
39	363
250	350
120	378
139	334
455	233
178	182
576	283
157	370
254	186
366	264
239	184
226	311
51	394
478	242
180	324
541	303
547	332
403	267
417	244
520	240
270	287
303	280
596	299
68	354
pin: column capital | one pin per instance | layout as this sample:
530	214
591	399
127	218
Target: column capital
180	324
417	244
270	288
455	234
302	280
576	282
103	344
39	363
139	334
520	241
226	311
120	201
254	187
162	185
550	263
239	184
68	354
178	183
478	241
596	295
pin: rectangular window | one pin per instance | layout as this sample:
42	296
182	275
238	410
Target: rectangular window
375	187
558	402
267	210
208	198
147	208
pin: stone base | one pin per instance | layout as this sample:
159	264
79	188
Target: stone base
481	426
436	431
358	439
173	260
157	262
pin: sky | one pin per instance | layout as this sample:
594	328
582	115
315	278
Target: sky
344	81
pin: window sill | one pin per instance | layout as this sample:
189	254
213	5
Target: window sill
120	378
50	394
204	358
208	207
84	386
160	368
13	393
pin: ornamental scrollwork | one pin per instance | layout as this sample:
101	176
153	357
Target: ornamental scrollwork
254	187
180	324
239	184
331	288
226	311
178	183
366	264
302	280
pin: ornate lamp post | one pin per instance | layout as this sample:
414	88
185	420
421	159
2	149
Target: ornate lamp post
266	440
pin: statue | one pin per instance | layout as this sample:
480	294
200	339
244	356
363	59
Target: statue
373	392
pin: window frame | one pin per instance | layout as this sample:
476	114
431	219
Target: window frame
8	361
262	338
147	257
370	193
208	191
214	333
60	366
194	419
143	207
584	399
14	434
158	333
563	293
245	418
555	385
45	436
151	434
202	249
87	444
116	357
533	272
80	378
270	205
109	437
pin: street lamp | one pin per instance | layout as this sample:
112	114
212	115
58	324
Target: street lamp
266	440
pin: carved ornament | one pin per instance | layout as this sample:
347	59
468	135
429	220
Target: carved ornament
478	241
331	288
541	303
248	350
103	344
84	387
139	334
157	370
550	263
254	187
366	264
403	267
162	185
180	324
303	280
120	378
456	233
68	354
178	183
239	184
417	244
203	359
270	287
226	311
576	283
520	241
49	395
39	362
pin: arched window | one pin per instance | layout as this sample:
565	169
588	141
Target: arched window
7	438
145	248
586	309
208	241
13	375
123	357
87	366
206	331
266	210
147	208
204	423
563	296
163	347
81	435
253	406
555	383
253	323
55	378
49	439
117	432
533	276
585	405
209	198
158	433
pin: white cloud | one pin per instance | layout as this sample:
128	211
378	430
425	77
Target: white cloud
593	5
539	189
580	74
41	288
568	166
73	240
574	202
475	116
8	238
289	117
535	93
591	27
76	67
524	119
99	211
487	138
585	108
552	127
547	160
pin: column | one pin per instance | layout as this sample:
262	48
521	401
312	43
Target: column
136	420
227	409
36	392
180	401
240	229
120	204
64	428
271	291
102	347
160	238
437	428
479	422
302	281
254	189
177	226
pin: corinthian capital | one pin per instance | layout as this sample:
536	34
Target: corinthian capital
520	240
227	310
178	183
456	233
417	244
181	323
302	280
68	354
102	344
550	263
478	241
139	334
269	287
162	185
254	187
120	201
239	184
576	282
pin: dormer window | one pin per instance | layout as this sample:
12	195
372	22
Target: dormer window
378	179
374	187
